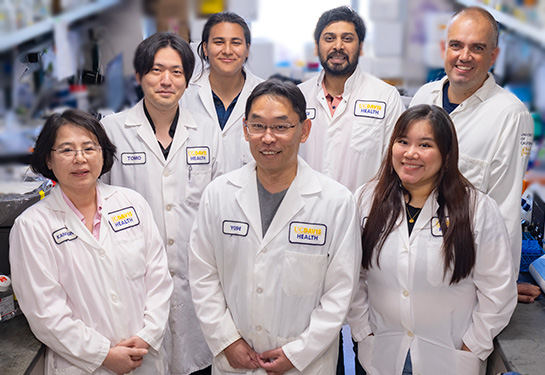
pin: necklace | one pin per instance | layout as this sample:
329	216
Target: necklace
413	217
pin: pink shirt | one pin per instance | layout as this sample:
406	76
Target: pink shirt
333	102
96	219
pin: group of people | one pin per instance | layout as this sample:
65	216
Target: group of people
227	224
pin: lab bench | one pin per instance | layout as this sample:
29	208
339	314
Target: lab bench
521	344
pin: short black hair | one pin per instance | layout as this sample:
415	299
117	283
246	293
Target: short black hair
342	13
48	136
144	56
285	89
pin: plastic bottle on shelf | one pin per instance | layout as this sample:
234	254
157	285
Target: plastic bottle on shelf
7	303
42	9
7	16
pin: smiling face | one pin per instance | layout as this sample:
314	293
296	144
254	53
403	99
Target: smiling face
416	158
226	49
75	174
276	154
165	83
469	52
339	48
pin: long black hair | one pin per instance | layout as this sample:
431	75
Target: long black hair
453	196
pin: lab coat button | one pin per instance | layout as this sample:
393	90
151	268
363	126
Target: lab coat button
172	273
169	207
259	290
114	298
405	293
166	173
101	253
410	334
264	249
258	328
170	242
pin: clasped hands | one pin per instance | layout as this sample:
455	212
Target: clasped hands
126	356
241	356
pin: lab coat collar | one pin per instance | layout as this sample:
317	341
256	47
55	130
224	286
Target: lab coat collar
429	210
137	118
482	94
202	84
356	78
205	94
306	182
57	203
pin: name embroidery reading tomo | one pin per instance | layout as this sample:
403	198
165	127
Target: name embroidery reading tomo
129	158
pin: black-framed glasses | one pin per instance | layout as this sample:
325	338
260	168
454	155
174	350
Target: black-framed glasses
257	128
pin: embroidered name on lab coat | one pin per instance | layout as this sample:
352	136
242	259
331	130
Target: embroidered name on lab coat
123	219
129	158
370	108
307	233
237	228
311	113
198	155
63	235
436	227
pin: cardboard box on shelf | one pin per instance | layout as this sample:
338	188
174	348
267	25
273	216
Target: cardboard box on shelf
173	16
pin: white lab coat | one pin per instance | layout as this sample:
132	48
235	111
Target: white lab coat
273	291
173	188
198	98
82	296
495	133
349	147
408	305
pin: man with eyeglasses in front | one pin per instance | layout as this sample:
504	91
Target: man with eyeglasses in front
275	250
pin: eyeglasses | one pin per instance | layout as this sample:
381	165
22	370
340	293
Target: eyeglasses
67	152
256	128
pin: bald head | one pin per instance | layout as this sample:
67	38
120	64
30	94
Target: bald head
480	15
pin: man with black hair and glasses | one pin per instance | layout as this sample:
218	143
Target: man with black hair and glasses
275	251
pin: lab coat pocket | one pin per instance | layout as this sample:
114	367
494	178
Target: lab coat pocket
435	273
367	137
365	352
303	274
132	256
58	365
221	363
197	179
475	170
468	363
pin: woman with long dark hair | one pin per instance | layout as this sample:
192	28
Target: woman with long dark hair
221	89
437	281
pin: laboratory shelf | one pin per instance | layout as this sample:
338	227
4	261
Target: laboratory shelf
42	27
526	30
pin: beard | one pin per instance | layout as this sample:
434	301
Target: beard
339	70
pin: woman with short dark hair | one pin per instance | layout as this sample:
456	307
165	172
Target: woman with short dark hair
88	264
437	279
